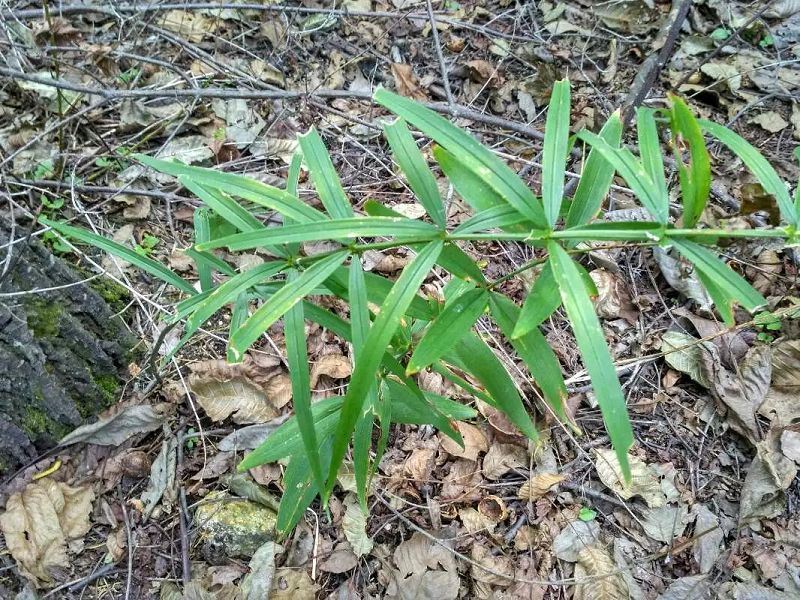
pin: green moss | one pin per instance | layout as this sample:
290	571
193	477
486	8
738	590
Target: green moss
113	293
36	422
44	318
109	386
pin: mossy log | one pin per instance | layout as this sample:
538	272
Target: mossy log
62	349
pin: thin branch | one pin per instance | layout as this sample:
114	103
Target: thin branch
456	110
442	66
651	68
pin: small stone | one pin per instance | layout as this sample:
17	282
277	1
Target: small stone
232	527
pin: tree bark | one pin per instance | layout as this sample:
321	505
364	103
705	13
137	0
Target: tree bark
62	351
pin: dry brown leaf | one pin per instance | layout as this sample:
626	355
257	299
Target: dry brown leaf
786	365
538	485
768	476
293	584
341	560
474	522
643	481
192	26
607	583
708	538
247	392
406	82
335	366
463	482
40	521
501	458
418	465
499	569
354	524
613	300
474	442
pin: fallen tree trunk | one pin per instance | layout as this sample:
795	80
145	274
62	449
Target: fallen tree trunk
62	349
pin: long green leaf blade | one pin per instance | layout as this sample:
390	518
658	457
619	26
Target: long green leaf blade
281	301
325	178
401	228
476	157
359	324
650	151
229	291
449	327
758	166
496	217
542	301
144	263
596	177
380	334
474	356
554	153
633	173
536	353
202	233
238	185
696	177
297	360
594	350
732	286
419	175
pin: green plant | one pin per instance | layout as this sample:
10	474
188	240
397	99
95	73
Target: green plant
410	333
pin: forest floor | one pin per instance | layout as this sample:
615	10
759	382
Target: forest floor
714	508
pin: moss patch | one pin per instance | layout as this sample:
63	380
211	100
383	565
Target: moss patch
44	318
113	293
36	422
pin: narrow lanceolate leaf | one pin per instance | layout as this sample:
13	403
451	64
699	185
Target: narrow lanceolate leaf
142	262
650	151
238	185
542	301
359	326
202	233
297	360
696	177
724	285
496	217
286	441
293	176
325	178
225	206
626	231
299	490
228	209
380	335
758	166
596	177
476	157
633	173
537	354
400	228
596	358
230	291
412	163
281	301
472	355
554	153
455	320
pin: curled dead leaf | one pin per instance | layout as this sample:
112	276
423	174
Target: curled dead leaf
607	582
39	522
335	366
474	442
643	482
246	391
538	485
406	82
